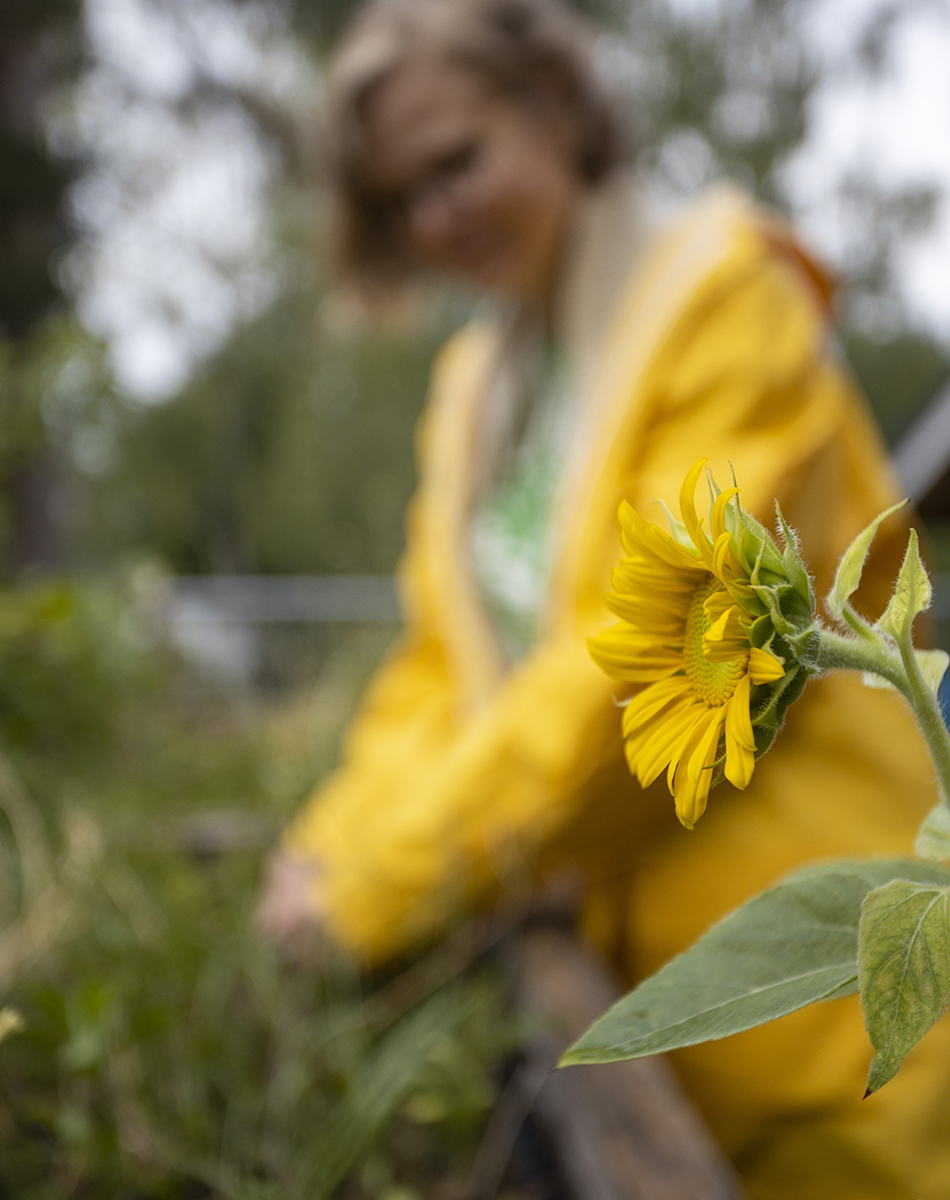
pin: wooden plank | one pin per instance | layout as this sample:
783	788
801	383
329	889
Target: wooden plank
617	1131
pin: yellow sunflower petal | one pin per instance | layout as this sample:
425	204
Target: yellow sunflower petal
693	777
637	574
725	564
728	637
651	701
634	659
649	613
716	604
764	667
688	511
680	751
717	522
638	739
640	536
670	732
647	539
740	740
704	754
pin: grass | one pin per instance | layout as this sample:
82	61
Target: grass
166	1050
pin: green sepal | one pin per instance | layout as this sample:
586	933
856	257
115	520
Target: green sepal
761	631
903	969
750	537
769	597
768	568
678	530
806	647
768	717
789	613
756	547
795	568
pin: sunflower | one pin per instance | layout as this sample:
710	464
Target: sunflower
704	623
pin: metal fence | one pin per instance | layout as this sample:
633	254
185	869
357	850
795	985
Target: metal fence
224	622
218	620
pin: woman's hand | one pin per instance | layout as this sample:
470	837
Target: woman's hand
290	909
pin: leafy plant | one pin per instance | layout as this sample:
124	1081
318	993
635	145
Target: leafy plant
879	927
158	1046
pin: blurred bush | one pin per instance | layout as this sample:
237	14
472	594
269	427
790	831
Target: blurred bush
289	452
166	1050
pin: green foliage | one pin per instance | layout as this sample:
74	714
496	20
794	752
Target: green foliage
167	1050
40	40
851	567
904	969
933	839
322	21
290	452
793	945
933	666
912	595
68	660
723	94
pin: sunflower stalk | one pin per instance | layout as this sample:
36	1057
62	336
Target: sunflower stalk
886	649
900	667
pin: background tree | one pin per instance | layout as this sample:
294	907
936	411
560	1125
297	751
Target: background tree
39	50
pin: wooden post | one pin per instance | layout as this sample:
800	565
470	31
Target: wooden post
617	1131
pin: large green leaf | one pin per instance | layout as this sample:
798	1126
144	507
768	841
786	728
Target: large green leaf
904	969
790	946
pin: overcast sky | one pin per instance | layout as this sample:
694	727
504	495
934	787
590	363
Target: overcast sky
178	243
896	127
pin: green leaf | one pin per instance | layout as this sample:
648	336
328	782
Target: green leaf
852	564
912	595
933	840
790	946
904	969
933	666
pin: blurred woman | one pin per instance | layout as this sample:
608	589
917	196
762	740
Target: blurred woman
474	138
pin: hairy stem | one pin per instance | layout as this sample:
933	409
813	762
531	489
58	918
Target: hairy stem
929	717
901	669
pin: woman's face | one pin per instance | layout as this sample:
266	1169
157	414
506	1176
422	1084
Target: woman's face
486	188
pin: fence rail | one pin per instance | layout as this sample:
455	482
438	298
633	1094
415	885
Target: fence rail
284	599
306	599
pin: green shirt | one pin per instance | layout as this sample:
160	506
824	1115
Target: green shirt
510	529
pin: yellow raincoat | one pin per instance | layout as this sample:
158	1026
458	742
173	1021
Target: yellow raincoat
460	775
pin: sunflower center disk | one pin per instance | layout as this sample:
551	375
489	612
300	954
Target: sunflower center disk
713	683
